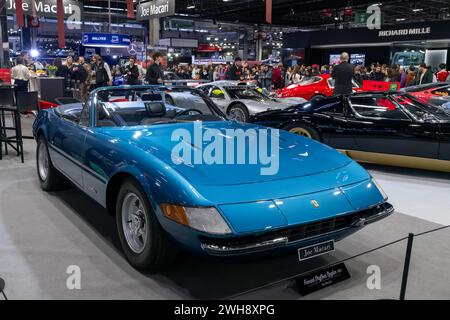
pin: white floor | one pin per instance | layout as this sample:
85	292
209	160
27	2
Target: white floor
421	194
41	234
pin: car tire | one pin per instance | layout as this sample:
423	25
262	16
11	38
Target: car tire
317	97
238	112
303	129
50	178
148	248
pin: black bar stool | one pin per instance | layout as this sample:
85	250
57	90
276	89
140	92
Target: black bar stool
7	106
26	101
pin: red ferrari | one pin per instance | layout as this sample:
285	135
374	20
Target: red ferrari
316	88
436	93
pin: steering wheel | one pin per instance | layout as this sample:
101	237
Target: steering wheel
188	112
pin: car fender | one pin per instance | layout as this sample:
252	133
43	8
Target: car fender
233	103
299	121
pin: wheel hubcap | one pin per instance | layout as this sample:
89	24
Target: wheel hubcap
301	132
237	114
43	162
134	222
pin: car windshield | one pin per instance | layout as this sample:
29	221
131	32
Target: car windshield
421	109
244	92
150	106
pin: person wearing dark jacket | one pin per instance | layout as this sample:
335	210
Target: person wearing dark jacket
155	73
235	72
343	75
62	70
424	75
132	72
377	74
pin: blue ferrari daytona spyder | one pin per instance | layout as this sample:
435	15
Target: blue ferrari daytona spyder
186	177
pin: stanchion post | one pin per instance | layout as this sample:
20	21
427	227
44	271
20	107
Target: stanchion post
406	266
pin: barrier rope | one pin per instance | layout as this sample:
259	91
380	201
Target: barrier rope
270	284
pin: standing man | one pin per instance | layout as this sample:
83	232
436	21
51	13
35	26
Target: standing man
21	75
155	73
343	75
235	72
424	76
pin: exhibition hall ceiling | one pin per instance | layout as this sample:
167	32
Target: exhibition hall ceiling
307	13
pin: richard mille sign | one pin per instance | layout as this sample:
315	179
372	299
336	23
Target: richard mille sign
404	32
155	9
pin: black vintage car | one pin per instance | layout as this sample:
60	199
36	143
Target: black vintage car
391	128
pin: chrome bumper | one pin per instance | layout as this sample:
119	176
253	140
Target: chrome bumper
283	241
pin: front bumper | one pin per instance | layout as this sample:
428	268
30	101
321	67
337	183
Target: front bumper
335	228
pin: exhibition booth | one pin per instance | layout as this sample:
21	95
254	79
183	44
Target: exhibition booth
405	44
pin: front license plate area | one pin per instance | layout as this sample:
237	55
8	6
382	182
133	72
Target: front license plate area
315	250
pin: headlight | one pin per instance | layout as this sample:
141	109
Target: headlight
385	197
205	219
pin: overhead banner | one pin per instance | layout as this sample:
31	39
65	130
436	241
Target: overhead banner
269	11
130	9
155	9
19	12
60	14
45	8
108	40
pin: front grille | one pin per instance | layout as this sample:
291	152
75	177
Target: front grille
300	232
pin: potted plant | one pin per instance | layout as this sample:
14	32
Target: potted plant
51	69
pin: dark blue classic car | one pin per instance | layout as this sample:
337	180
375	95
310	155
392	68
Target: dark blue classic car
131	152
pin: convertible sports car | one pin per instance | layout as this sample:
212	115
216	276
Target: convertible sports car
436	93
118	148
316	88
390	128
239	100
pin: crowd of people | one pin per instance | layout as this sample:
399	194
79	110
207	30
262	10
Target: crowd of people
276	77
98	73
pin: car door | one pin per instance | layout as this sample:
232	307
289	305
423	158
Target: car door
382	125
339	129
66	142
98	153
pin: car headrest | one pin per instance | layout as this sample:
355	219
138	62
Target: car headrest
102	114
155	109
151	97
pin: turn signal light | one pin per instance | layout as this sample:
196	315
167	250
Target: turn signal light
175	213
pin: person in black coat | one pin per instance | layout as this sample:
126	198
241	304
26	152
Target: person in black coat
155	73
132	72
343	75
235	72
424	75
377	74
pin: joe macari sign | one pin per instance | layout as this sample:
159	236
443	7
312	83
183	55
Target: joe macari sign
155	9
46	8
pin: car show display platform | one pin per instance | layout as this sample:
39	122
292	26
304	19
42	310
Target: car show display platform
43	235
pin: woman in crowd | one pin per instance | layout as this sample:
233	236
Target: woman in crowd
296	76
132	72
62	70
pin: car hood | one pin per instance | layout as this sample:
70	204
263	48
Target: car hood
298	156
264	105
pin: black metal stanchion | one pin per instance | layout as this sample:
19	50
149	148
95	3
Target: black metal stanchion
2	287
406	266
